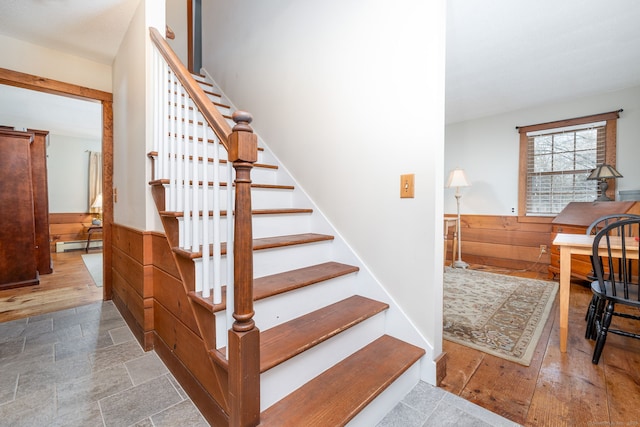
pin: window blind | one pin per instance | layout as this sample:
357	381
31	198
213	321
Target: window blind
558	164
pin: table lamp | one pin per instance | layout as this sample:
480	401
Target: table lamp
97	204
602	173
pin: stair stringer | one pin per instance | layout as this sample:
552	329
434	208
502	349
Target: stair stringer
366	284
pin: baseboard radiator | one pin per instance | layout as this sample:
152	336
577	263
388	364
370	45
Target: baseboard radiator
77	245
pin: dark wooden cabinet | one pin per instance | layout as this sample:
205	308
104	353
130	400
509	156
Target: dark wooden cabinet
575	219
18	264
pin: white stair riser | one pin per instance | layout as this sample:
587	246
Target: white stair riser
375	411
272	261
281	380
258	174
263	225
261	198
279	309
206	88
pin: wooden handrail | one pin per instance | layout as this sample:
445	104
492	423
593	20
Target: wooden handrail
202	101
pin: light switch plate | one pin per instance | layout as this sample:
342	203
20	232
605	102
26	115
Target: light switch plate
407	186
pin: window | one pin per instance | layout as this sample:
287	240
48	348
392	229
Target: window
556	158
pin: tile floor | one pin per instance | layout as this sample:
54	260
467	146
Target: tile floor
429	406
83	367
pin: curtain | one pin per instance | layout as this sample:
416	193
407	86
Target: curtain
95	180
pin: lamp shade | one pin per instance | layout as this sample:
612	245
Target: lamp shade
604	171
97	202
457	178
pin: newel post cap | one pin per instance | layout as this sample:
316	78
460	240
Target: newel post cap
243	143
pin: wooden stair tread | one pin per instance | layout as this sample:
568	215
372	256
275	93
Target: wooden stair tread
275	284
289	339
334	397
265	243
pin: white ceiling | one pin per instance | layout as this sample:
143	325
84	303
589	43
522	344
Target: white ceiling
502	55
91	29
506	55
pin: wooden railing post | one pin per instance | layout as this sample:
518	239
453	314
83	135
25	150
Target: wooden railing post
244	337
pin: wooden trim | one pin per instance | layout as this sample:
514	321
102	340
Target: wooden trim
522	175
42	84
610	154
536	219
211	114
610	149
611	115
190	54
441	368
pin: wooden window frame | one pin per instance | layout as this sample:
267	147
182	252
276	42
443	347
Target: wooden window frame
610	149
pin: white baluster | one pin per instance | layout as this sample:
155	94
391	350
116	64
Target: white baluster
206	261
173	174
195	243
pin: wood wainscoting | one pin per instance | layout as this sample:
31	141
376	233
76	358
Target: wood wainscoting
132	280
148	292
510	242
68	227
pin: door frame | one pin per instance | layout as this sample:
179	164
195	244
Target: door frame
42	84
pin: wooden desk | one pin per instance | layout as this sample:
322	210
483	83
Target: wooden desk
449	221
580	244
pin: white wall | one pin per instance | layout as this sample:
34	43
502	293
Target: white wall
488	149
131	168
177	21
68	172
350	95
18	55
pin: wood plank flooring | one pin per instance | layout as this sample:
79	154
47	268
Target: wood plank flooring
556	389
70	285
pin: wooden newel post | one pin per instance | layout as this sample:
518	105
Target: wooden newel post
244	337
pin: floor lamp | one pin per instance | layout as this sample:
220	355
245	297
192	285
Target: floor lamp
458	179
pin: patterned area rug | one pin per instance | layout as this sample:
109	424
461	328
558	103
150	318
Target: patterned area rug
497	314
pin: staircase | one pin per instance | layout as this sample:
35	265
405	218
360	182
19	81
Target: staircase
327	356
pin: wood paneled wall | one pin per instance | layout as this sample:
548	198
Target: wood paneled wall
132	280
504	241
69	227
147	290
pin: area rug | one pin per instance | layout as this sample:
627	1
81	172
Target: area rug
93	262
497	314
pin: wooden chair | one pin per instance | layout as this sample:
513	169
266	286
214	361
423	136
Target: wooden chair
617	282
593	229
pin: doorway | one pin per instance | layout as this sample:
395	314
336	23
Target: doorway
40	84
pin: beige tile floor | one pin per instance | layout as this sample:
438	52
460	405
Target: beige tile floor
83	367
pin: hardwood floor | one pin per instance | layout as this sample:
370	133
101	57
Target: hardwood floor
70	285
556	389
